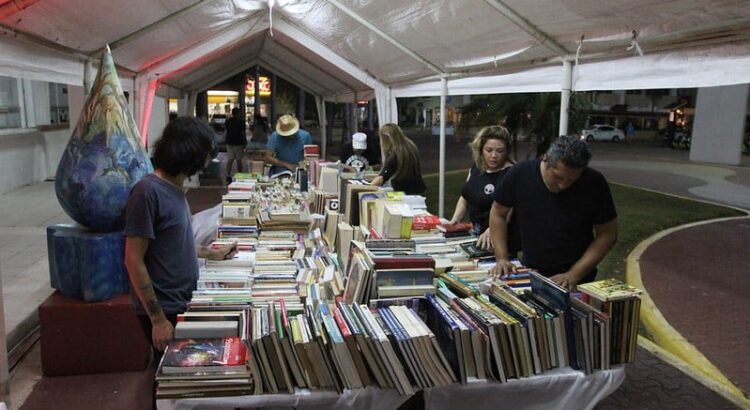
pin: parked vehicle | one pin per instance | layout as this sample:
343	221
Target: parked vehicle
602	132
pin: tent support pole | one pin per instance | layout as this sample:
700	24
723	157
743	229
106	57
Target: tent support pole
441	189
355	120
565	96
4	374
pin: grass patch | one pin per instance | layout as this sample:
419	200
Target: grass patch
640	215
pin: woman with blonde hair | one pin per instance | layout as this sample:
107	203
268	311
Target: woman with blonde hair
401	162
491	150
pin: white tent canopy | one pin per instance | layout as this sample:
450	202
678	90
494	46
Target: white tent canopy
342	49
338	47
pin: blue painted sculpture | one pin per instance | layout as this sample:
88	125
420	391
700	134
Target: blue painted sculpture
101	163
104	158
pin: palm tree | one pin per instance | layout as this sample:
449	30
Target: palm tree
533	115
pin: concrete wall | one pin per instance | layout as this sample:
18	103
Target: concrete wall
719	124
30	156
158	120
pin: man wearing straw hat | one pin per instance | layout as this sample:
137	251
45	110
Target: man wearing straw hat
285	147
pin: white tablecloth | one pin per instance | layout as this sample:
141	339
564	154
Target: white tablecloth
367	398
556	389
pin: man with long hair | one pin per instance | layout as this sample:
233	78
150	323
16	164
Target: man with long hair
160	252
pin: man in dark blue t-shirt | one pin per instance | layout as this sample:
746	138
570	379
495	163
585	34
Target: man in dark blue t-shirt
565	210
160	253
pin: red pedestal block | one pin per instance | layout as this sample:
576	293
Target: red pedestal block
102	337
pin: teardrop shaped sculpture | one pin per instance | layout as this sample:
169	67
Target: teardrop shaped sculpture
104	157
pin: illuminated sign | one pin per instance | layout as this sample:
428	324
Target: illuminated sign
264	84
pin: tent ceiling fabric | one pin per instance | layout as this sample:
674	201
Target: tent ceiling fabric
184	43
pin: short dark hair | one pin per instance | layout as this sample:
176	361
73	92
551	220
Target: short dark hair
183	147
235	112
570	150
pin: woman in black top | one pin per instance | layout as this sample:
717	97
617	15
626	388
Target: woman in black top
491	150
401	162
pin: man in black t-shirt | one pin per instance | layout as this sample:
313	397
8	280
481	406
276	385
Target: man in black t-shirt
565	210
236	142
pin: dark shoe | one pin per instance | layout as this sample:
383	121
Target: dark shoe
229	180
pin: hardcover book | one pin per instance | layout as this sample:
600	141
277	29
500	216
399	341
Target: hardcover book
205	355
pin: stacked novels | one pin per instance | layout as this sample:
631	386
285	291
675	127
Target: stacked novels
371	277
457	230
243	243
238	205
498	335
346	346
213	324
622	303
207	367
282	220
237	229
222	288
589	331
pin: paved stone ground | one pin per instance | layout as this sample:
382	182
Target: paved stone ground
699	278
652	384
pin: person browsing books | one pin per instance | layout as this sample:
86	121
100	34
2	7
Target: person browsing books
160	252
401	165
236	142
567	217
491	150
361	153
285	147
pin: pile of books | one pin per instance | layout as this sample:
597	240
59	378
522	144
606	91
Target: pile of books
207	367
622	303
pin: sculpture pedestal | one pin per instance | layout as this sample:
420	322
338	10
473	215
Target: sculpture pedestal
86	265
80	338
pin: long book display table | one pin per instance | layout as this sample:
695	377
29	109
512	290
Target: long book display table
559	389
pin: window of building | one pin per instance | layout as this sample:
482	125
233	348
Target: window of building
58	103
10	109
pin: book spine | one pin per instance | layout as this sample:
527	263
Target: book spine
345	332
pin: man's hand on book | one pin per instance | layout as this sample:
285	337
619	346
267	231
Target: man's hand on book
162	333
223	252
485	240
566	280
502	268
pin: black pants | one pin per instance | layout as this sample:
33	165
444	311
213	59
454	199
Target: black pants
156	355
145	322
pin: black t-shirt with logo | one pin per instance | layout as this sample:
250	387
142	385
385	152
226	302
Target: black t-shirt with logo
556	228
478	192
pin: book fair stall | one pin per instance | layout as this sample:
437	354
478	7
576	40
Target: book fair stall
346	295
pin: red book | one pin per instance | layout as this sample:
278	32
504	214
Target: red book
403	262
424	222
312	150
457	227
345	332
284	317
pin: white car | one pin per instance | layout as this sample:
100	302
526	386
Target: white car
601	132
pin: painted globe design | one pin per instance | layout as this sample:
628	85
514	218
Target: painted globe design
104	157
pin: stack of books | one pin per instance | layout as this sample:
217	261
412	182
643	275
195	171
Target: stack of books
622	303
206	368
